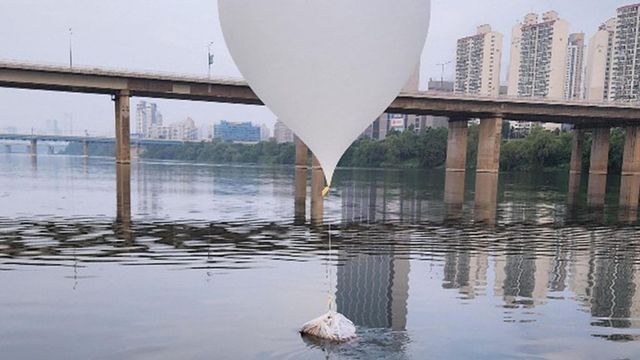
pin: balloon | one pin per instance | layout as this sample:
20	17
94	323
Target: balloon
326	68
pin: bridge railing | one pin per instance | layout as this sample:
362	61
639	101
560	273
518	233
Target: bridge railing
117	71
184	77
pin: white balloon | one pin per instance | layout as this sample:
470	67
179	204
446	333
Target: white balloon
326	68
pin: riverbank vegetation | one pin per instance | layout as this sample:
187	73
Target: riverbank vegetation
540	149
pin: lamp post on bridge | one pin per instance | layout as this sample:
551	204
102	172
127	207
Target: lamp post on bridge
209	60
70	48
443	65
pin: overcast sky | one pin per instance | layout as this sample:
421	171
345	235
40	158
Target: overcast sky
173	35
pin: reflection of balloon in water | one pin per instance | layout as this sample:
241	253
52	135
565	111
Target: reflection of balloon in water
326	68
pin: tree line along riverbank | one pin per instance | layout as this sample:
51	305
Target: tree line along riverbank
540	149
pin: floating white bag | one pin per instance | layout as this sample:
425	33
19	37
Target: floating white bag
331	326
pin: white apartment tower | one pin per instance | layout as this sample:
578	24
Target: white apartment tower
478	60
574	69
539	57
600	59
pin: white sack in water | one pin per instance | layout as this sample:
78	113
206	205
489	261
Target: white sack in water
326	68
331	326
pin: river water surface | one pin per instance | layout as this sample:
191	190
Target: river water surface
212	265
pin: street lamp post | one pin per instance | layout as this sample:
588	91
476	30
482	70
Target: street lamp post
70	48
210	60
442	73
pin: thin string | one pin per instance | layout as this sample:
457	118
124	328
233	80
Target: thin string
329	272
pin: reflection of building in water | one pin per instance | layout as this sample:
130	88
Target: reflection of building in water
368	202
466	272
606	281
372	290
359	202
522	274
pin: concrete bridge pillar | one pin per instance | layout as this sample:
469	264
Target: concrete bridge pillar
317	185
33	147
488	165
123	140
630	179
598	167
123	193
575	167
456	165
85	148
300	179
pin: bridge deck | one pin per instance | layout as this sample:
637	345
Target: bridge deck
167	86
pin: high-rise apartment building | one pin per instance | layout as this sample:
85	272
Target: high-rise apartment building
626	67
478	60
574	69
600	59
539	57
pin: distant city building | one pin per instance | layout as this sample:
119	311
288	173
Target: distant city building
386	122
184	131
440	85
282	133
147	118
539	57
10	130
236	132
265	133
478	60
53	128
600	60
574	68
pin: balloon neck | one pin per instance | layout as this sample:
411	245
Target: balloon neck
325	191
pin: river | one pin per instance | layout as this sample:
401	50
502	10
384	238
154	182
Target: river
213	265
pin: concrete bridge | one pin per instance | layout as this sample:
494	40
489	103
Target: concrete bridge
597	118
84	140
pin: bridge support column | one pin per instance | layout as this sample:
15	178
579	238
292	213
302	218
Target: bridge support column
486	195
33	147
85	149
300	179
575	167
123	140
456	166
317	184
123	193
630	179
598	167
